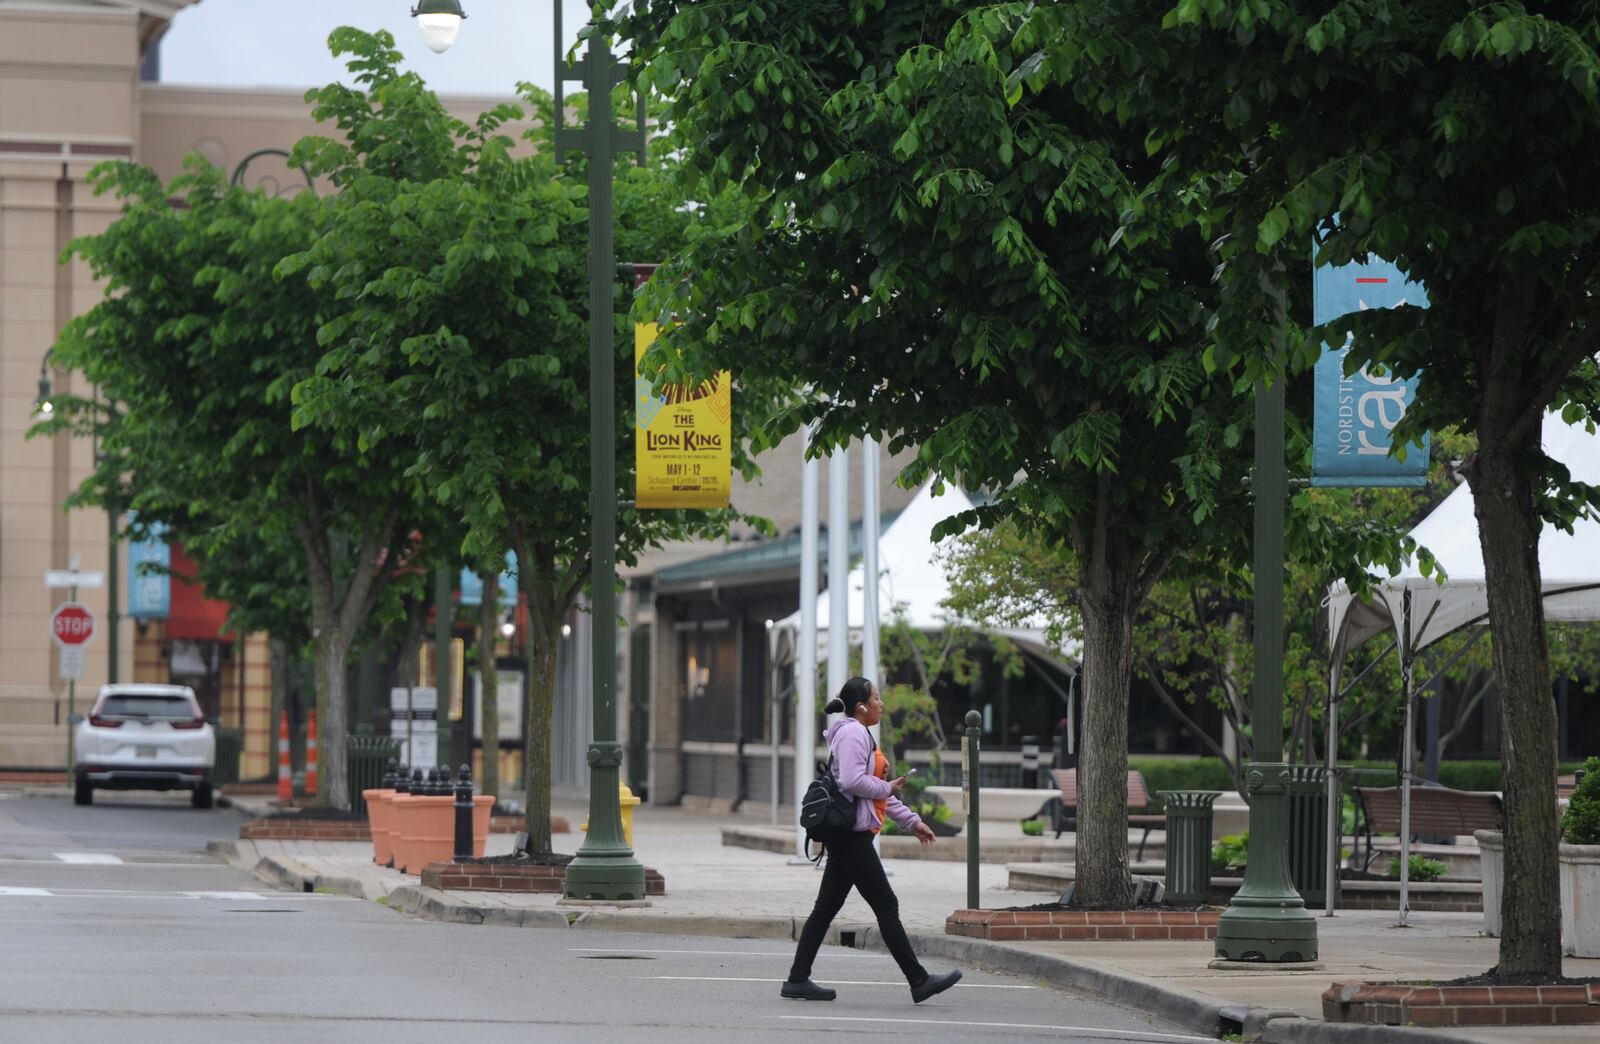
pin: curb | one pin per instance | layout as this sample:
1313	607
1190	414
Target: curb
1308	1031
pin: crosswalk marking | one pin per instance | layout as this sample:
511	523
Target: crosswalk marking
1096	1031
832	982
102	893
87	857
24	891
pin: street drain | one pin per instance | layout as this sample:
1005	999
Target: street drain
616	957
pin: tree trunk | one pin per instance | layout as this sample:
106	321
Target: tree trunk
1109	606
331	651
1508	533
540	716
489	704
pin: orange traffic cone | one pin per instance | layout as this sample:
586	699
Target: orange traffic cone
285	780
311	754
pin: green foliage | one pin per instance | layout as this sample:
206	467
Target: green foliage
1230	852
1422	868
1033	827
1183	773
1580	824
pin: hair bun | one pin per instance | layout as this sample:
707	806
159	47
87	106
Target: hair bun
833	706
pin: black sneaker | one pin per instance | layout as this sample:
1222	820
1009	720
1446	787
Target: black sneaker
805	989
933	985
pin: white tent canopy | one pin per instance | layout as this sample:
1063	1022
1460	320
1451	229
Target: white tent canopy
910	577
1569	564
1422	610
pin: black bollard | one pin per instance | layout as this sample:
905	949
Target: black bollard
390	773
464	815
402	779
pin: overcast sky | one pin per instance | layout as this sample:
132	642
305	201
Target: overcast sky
283	43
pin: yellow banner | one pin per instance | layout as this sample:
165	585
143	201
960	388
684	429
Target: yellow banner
682	438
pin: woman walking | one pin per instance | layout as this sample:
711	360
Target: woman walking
862	772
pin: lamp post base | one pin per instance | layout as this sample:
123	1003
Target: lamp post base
1281	936
604	879
1267	922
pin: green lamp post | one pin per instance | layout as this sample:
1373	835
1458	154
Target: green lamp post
1267	921
605	868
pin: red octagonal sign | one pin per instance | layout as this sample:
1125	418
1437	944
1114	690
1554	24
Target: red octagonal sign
72	625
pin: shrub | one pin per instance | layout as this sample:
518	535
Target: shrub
1580	825
1231	850
1033	827
1182	774
1422	868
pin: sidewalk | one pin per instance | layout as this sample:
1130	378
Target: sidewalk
744	893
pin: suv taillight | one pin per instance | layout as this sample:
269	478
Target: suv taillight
192	723
105	723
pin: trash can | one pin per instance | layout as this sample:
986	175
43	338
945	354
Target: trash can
365	758
1188	844
230	744
1308	833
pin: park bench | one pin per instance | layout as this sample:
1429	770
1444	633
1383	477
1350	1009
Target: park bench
1435	811
1138	803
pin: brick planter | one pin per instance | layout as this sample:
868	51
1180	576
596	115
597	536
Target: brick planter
512	877
1089	925
1422	1004
292	828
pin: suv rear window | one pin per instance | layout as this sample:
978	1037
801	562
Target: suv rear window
144	706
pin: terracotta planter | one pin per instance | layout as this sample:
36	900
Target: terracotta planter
1580	900
379	812
424	831
482	805
1492	868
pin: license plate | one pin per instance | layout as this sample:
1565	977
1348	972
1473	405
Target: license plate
146	752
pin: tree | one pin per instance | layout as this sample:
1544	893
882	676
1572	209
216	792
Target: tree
199	344
1457	141
464	348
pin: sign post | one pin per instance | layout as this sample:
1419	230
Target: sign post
72	628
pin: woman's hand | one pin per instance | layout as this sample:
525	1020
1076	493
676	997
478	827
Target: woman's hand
924	834
896	784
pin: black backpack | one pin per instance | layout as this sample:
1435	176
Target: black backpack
826	812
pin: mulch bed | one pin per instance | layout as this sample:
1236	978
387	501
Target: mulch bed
525	859
1494	978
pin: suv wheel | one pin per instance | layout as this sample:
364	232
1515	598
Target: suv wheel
83	791
201	798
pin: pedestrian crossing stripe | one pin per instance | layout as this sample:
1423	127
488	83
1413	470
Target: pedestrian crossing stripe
87	857
103	893
24	891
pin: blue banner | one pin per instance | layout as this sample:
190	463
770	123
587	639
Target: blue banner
1355	416
149	593
472	587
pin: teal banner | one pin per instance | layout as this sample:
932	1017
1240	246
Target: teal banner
1355	415
149	583
472	586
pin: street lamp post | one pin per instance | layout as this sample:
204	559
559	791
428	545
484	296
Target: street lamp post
1266	920
605	868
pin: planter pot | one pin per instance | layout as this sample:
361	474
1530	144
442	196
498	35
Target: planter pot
1580	900
378	814
482	805
1492	867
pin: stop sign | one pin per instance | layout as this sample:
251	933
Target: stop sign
72	625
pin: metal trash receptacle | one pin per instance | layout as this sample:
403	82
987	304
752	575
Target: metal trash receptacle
366	757
230	745
1308	833
1188	844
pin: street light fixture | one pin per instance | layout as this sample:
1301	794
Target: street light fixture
605	867
439	21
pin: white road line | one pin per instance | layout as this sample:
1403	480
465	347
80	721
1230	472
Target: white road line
24	891
785	954
104	893
831	982
87	857
1133	1035
141	866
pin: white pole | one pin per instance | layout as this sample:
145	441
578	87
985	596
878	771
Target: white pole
1335	811
838	570
1405	766
805	677
776	716
871	523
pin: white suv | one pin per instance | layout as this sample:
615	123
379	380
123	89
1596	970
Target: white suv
145	737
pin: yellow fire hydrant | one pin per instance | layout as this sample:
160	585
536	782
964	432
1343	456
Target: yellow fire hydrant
628	803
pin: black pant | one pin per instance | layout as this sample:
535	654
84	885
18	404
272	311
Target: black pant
853	861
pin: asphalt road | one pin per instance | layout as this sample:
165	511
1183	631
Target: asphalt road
114	924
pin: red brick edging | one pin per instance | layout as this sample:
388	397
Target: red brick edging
512	877
1089	925
1423	1004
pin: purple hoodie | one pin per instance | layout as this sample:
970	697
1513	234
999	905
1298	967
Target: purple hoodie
851	745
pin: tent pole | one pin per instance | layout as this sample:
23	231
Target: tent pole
838	569
1335	807
1405	764
805	677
